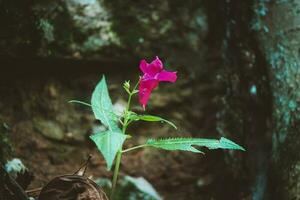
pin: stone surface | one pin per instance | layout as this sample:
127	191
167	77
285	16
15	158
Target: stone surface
49	129
97	29
279	40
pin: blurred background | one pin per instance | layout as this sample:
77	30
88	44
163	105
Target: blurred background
238	77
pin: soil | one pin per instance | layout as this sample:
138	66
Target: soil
35	109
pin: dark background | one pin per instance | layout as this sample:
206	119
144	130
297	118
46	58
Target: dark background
238	77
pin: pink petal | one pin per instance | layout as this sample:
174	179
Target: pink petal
167	76
145	89
155	67
143	66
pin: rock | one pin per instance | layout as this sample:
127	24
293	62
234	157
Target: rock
49	129
101	28
60	131
76	135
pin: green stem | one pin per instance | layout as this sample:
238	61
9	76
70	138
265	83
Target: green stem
136	147
116	172
119	155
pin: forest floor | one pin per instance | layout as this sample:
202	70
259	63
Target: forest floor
50	135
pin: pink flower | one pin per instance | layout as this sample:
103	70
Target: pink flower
153	74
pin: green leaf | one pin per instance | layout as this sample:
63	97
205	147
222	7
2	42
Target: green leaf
130	188
186	144
149	118
135	91
109	143
102	106
126	86
144	187
80	102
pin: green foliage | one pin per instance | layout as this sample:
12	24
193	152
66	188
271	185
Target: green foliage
104	183
186	144
15	166
149	118
47	30
110	141
80	102
132	188
126	86
102	106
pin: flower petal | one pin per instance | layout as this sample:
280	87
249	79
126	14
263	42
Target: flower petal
145	89
155	67
143	66
167	76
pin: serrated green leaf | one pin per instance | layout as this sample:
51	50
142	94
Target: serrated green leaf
102	106
186	144
109	143
150	118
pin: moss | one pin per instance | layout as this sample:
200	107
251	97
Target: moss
157	27
284	90
281	52
260	12
47	29
102	28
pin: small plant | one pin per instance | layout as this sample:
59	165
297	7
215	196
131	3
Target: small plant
110	141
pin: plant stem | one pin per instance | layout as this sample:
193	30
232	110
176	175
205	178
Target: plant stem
116	172
119	155
136	147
